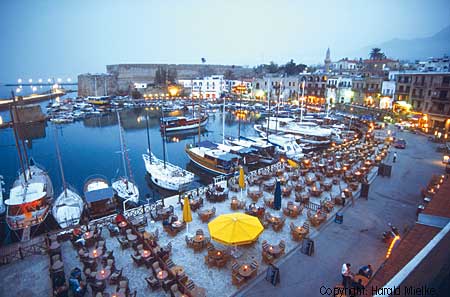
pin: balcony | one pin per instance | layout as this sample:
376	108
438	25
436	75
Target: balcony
442	99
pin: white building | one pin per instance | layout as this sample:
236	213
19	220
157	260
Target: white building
435	65
387	94
345	66
211	86
339	90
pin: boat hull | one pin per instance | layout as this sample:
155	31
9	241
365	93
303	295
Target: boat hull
187	127
208	167
68	209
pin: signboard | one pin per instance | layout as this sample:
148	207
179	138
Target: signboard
273	274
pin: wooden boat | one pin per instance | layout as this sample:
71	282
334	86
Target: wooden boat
170	124
207	156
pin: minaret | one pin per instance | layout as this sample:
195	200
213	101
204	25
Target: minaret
327	61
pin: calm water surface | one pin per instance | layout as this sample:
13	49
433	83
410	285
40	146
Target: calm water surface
92	147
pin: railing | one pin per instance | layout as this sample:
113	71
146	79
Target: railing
312	206
18	251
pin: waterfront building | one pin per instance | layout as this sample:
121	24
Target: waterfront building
339	89
346	66
213	86
428	93
441	64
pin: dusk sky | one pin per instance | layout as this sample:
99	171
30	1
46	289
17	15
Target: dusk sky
64	38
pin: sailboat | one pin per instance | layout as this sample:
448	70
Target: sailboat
164	174
124	186
69	205
31	195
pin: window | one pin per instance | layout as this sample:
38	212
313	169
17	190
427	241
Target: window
443	95
446	80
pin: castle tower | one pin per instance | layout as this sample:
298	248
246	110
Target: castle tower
327	61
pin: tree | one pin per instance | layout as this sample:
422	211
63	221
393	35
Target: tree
272	67
377	54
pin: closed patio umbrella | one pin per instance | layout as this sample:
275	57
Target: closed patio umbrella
277	198
241	179
187	215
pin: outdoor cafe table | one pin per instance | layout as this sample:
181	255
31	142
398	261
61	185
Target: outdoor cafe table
145	253
245	270
274	219
269	185
274	250
218	254
131	237
95	253
292	207
177	270
88	235
162	275
177	224
300	231
199	238
103	274
117	294
303	172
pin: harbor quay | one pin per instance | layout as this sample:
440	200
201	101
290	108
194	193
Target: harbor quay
191	256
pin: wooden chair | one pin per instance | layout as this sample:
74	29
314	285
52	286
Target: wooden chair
264	245
123	287
174	291
278	226
124	243
156	268
153	283
237	280
189	241
199	232
267	258
234	266
137	259
115	277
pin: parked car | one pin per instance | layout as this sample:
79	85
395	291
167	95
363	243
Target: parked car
400	143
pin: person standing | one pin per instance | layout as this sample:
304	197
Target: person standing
346	275
395	157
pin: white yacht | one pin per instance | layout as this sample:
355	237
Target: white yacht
308	131
286	145
167	175
29	200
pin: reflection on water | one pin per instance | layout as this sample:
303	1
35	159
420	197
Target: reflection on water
91	147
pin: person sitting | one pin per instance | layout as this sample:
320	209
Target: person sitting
77	236
366	271
77	287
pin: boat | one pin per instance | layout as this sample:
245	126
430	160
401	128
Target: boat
164	174
29	200
248	154
68	207
309	132
209	157
286	145
264	149
99	196
124	186
170	124
167	176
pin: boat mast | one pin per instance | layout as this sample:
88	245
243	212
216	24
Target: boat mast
240	111
58	154
199	118
278	104
223	121
303	100
121	146
164	137
16	138
148	136
268	108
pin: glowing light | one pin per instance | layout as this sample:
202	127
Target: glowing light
19	81
30	80
391	246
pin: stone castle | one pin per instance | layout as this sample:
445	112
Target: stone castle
120	78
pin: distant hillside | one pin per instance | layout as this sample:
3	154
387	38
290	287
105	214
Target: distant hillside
412	49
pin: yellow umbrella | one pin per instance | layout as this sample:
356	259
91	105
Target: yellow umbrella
292	163
241	178
235	228
187	215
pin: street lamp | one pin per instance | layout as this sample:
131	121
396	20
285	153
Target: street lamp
30	80
19	81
